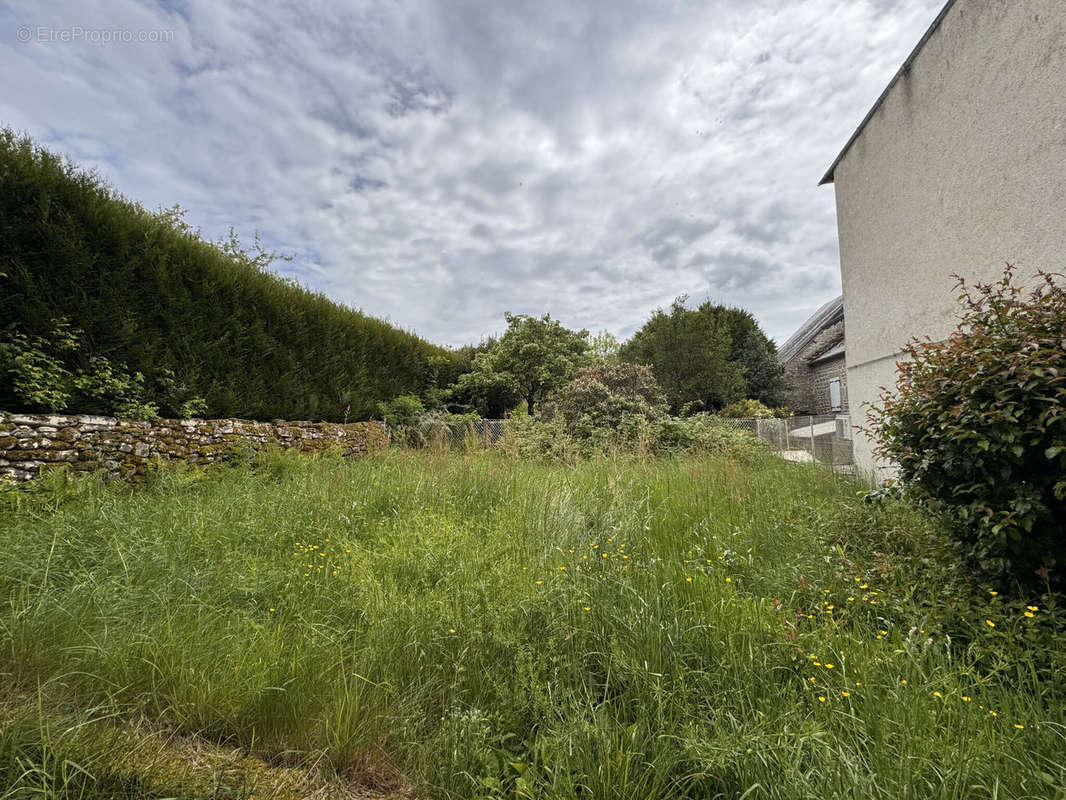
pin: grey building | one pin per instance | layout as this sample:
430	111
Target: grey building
959	167
816	380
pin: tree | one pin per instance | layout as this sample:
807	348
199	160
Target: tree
764	375
604	348
689	353
534	357
977	426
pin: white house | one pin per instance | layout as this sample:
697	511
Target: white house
960	167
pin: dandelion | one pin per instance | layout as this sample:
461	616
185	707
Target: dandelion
903	681
728	580
858	683
603	555
688	580
937	694
865	586
994	594
829	608
811	679
993	713
965	699
1019	727
588	608
990	623
271	609
539	583
846	694
821	699
1030	614
828	666
451	630
1033	608
562	569
851	599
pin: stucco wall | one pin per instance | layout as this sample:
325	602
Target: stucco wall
125	447
961	170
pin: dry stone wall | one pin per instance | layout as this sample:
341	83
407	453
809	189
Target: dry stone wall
125	448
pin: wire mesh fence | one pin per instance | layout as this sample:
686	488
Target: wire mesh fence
826	438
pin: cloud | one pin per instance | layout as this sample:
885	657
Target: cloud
437	164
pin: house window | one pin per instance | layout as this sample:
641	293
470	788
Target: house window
834	394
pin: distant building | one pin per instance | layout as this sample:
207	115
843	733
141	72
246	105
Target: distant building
816	379
960	167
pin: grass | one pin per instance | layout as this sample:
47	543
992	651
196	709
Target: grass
468	626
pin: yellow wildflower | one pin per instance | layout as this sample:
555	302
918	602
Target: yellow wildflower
821	699
846	694
990	623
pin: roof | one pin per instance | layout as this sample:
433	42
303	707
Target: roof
828	177
829	314
832	352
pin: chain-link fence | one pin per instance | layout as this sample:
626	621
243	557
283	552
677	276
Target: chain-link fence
826	438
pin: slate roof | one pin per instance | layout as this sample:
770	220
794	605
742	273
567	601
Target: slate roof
829	314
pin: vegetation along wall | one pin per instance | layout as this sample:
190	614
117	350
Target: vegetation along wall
125	448
146	294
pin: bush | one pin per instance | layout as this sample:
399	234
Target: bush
605	396
977	426
749	408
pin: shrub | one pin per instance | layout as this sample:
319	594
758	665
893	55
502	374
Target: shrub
744	409
977	425
402	411
605	396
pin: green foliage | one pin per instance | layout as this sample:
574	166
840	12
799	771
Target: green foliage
606	395
707	357
534	357
152	295
52	373
401	411
719	625
604	348
746	409
977	426
764	375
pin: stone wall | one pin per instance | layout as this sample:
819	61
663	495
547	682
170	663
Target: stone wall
125	448
807	384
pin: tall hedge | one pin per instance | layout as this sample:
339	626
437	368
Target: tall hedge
153	295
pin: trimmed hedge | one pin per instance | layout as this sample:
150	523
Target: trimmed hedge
152	295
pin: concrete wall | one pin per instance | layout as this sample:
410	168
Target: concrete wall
125	448
961	170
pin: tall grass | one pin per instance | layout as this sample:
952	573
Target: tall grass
476	627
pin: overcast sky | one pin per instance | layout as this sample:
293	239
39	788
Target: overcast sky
438	163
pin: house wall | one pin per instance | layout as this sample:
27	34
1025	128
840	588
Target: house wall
961	170
807	386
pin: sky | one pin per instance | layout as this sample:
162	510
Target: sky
438	163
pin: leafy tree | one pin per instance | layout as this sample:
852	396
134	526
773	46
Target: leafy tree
604	348
534	357
977	425
764	375
689	353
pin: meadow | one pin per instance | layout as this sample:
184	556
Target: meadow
473	625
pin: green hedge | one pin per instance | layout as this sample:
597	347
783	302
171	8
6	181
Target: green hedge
154	296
